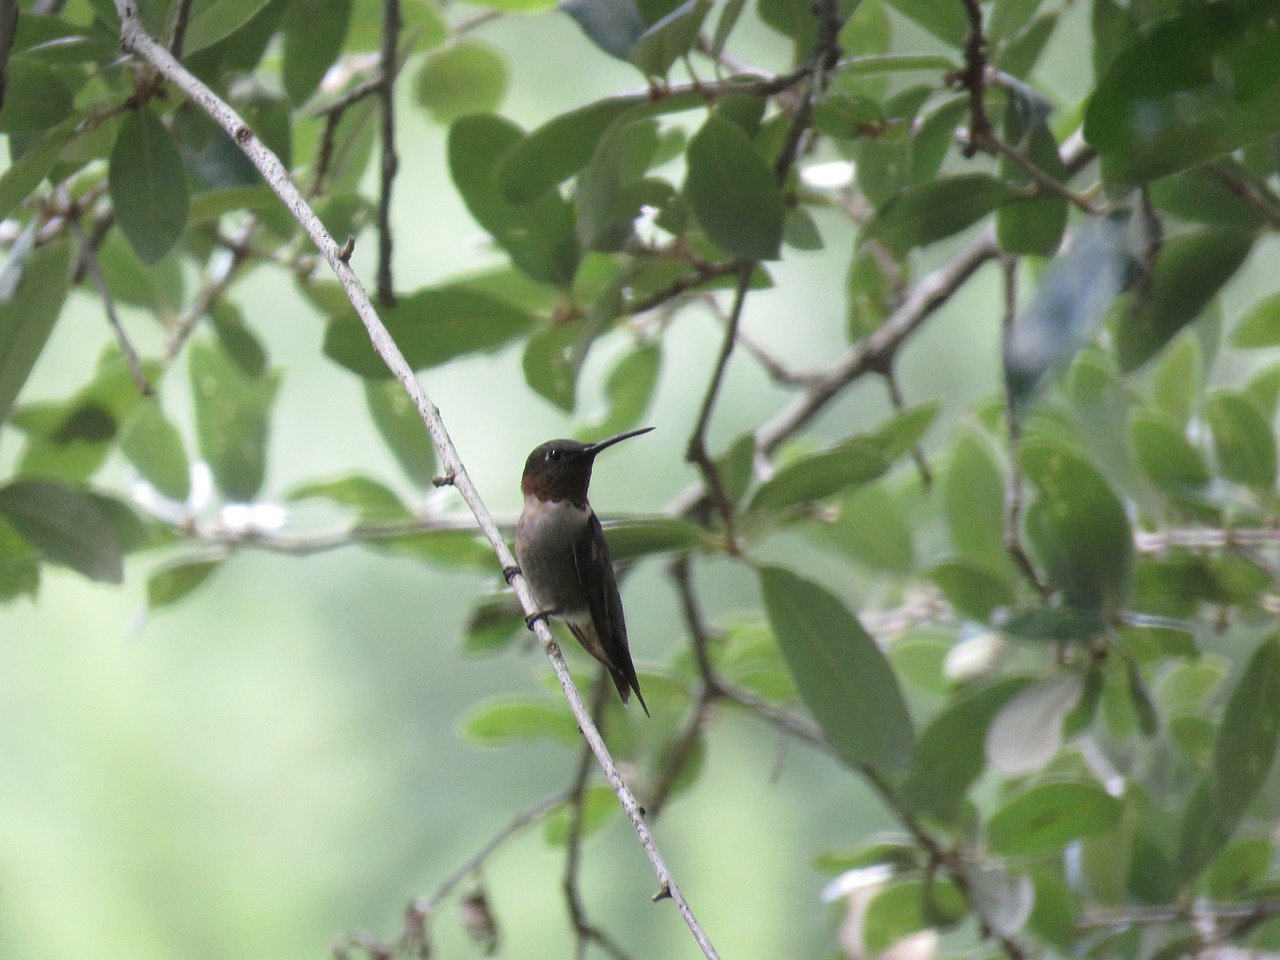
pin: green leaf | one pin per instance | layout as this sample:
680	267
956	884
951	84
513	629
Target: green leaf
872	527
612	25
1034	227
733	193
946	21
629	390
555	151
19	564
1260	325
495	621
645	536
821	475
900	910
372	501
1054	916
431	327
609	187
1078	528
973	503
499	722
158	287
232	421
67	526
842	675
1027	732
1196	86
465	77
153	445
213	20
923	213
28	315
314	32
1239	869
662	44
1192	269
170	583
538	235
1166	456
35	98
599	806
972	589
1199	196
1176	380
401	427
148	185
1246	743
1001	898
25	172
951	752
1047	817
1053	624
1243	439
551	363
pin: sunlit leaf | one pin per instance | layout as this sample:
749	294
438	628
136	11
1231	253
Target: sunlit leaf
497	723
1027	731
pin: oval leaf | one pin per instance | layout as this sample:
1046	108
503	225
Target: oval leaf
148	185
842	675
926	212
733	193
1027	732
67	526
1048	816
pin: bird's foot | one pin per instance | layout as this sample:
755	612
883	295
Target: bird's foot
509	573
533	618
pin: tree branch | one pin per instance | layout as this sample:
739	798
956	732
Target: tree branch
135	39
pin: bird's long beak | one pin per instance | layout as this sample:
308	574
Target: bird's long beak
594	448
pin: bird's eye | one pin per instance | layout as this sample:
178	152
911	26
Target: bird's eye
553	454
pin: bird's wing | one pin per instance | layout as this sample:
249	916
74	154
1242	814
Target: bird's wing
595	573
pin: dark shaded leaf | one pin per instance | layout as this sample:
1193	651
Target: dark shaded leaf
67	526
946	21
1078	529
28	315
645	536
821	475
431	326
842	675
951	752
972	589
612	25
733	193
1198	85
148	185
669	38
213	20
900	910
973	503
926	212
1052	624
1167	457
314	31
35	98
1192	269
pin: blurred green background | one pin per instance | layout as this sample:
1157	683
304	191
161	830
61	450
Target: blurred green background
276	760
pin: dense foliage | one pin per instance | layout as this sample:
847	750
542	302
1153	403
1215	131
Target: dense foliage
1068	693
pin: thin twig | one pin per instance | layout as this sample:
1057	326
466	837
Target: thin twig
1206	539
1200	910
90	260
1254	194
216	282
390	161
1013	478
917	452
585	933
696	451
702	273
973	78
134	38
180	23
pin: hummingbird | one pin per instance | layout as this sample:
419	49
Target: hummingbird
565	557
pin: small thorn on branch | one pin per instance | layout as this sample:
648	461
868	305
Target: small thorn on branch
444	480
346	250
664	893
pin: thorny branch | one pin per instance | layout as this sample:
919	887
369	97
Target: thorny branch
135	39
973	77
